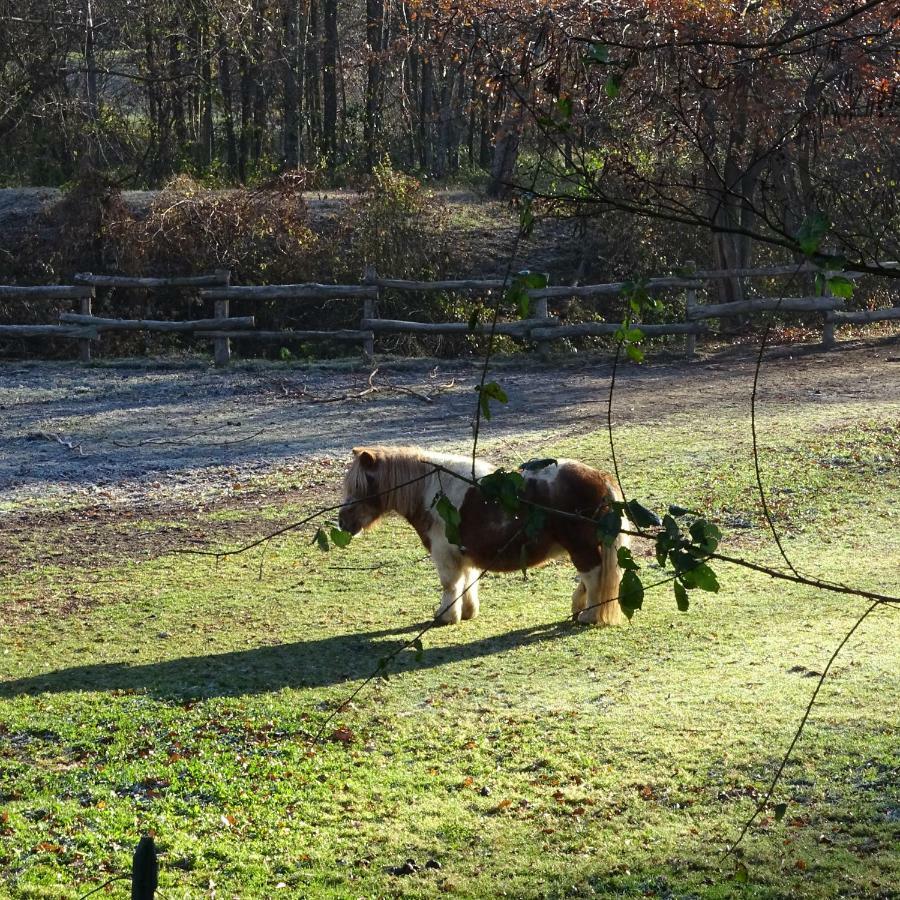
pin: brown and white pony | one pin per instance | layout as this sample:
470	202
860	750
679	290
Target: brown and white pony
406	480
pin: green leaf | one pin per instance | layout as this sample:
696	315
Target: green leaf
681	596
811	233
662	548
517	296
532	281
321	539
631	593
488	392
672	530
635	354
613	85
740	873
535	521
503	487
598	55
451	516
420	650
340	538
535	465
641	516
705	535
840	286
565	106
678	511
526	215
609	525
702	577
633	335
780	810
626	560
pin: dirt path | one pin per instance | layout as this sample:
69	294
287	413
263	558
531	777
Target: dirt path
113	436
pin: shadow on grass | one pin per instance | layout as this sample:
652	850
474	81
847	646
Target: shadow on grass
314	663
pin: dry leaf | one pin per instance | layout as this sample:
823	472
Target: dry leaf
342	736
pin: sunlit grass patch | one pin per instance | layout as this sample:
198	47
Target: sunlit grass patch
517	753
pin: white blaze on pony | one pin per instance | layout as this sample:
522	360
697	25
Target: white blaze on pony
406	480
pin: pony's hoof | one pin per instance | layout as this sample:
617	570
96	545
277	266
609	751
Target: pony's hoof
448	617
469	611
590	617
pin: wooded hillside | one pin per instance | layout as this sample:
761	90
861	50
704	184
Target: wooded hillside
759	123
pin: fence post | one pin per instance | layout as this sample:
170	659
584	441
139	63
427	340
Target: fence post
828	318
369	312
222	345
690	301
84	345
541	312
144	870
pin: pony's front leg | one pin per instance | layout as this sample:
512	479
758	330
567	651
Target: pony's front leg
453	581
470	597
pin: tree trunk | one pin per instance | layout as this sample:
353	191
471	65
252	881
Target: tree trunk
290	151
506	151
329	78
374	76
224	63
313	100
426	116
207	131
247	95
177	91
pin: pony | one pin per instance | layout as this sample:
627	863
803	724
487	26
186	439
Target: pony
408	480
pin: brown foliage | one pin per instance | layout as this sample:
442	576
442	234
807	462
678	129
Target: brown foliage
261	235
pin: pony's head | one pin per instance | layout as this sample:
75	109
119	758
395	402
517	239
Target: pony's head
363	503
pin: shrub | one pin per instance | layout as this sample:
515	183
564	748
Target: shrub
262	235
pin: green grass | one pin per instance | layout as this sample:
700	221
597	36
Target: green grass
526	756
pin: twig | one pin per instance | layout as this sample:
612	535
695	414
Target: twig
756	468
52	436
360	395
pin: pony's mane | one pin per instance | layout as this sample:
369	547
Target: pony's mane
400	475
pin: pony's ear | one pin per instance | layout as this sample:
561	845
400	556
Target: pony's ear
366	457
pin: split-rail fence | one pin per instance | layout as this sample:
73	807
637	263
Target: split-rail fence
541	328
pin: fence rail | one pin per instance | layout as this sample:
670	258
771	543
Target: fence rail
541	327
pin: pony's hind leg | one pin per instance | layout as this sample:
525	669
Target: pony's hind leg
470	597
453	581
579	598
599	608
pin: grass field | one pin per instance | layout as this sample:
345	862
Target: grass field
520	755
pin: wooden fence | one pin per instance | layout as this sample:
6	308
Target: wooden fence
541	328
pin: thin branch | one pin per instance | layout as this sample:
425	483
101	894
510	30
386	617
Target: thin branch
759	484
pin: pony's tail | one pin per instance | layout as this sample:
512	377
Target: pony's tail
604	608
611	577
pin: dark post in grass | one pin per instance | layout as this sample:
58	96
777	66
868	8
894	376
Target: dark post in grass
222	345
370	310
690	301
828	322
84	345
144	870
